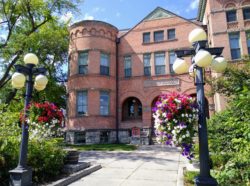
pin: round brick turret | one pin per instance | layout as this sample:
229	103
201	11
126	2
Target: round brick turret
95	39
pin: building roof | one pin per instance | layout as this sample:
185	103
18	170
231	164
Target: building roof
159	13
201	10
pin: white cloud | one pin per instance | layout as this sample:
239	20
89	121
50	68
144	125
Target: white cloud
88	17
194	4
66	17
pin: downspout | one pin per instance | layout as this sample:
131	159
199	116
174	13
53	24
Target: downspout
117	90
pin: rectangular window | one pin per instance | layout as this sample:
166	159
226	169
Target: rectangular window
160	63
158	36
146	37
246	13
147	66
83	62
172	58
248	41
104	65
234	39
127	66
231	15
82	103
104	103
171	34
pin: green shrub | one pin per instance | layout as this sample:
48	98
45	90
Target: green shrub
45	156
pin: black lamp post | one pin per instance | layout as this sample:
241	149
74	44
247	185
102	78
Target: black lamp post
201	53
22	174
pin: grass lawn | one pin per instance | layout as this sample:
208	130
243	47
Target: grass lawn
100	147
189	177
104	147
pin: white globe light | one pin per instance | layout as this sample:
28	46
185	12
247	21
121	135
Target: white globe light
219	64
192	70
17	86
39	88
203	58
197	34
41	80
18	78
180	66
30	59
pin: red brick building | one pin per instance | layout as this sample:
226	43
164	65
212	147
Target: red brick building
116	75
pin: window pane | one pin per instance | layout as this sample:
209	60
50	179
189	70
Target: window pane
104	103
128	72
82	102
172	58
235	53
146	37
248	41
83	58
159	59
127	62
234	40
171	34
160	70
246	13
146	60
83	69
231	15
158	36
104	59
104	70
147	71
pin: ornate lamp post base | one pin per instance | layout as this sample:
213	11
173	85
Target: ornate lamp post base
21	177
205	181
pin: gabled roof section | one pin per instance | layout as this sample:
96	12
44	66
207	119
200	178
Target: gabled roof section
158	13
201	9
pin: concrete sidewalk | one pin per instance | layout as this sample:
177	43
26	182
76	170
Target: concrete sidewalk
147	166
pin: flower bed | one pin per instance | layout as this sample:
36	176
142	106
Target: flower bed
175	118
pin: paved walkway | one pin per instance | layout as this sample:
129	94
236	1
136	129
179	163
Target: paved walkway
147	166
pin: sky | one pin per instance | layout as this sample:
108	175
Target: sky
127	13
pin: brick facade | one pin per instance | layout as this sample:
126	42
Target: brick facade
135	88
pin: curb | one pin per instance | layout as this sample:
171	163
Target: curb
76	176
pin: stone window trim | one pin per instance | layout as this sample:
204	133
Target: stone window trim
77	98
164	41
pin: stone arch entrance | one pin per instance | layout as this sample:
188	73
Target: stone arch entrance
131	109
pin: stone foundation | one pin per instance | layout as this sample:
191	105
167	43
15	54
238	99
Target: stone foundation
103	136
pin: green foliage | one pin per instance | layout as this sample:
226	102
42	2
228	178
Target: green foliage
189	177
229	130
45	156
104	147
35	26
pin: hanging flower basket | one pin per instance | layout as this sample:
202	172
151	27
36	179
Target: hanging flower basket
175	118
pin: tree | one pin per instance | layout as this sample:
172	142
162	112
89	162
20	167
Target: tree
34	26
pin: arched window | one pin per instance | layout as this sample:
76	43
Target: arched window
132	109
